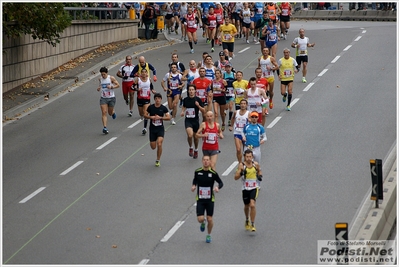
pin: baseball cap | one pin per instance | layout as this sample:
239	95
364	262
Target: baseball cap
254	114
228	64
221	53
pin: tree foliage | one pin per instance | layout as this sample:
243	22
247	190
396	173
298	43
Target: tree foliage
44	21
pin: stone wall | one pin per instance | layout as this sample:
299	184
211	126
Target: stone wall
25	59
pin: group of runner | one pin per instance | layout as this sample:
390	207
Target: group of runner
215	92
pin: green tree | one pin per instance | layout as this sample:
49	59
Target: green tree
44	21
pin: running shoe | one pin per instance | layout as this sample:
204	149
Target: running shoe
130	113
195	42
127	102
208	239
213	49
247	226
144	131
253	229
105	130
114	116
271	105
267	112
195	154
181	103
257	42
182	38
288	108
157	163
192	51
229	123
285	97
202	226
208	41
247	42
303	79
191	152
281	35
172	121
223	127
185	38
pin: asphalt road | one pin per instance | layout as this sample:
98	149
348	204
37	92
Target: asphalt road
72	195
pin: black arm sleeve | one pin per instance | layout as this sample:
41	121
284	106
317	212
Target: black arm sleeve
220	183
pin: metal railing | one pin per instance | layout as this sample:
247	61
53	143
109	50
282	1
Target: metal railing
97	13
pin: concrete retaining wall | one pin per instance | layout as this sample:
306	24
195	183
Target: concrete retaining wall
369	15
25	59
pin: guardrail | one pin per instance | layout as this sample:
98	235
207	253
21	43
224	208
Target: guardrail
361	15
94	13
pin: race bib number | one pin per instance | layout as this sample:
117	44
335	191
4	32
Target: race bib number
157	122
228	37
272	36
144	92
302	52
259	11
287	73
204	192
284	12
250	184
190	113
212	23
211	139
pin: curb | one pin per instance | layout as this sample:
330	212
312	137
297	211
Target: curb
26	107
379	222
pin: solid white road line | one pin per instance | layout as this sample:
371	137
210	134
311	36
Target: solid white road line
358	38
229	169
347	48
172	231
245	49
32	195
72	167
335	59
308	87
321	73
273	122
106	143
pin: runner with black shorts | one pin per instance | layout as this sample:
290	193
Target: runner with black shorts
192	105
204	179
157	113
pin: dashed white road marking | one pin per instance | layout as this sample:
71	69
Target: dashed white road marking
106	143
245	49
308	87
358	38
144	262
172	231
72	167
273	122
294	101
322	73
347	48
32	195
229	169
335	59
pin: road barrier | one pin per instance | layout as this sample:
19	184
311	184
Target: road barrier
353	15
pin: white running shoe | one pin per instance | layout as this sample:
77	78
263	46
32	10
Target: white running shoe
172	121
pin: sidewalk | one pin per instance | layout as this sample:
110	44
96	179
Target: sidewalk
19	101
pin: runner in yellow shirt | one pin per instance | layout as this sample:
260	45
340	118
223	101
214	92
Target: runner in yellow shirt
227	32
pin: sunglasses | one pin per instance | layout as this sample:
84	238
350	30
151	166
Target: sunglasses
254	117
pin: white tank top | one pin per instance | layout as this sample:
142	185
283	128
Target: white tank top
263	65
145	93
105	92
253	98
240	122
246	16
